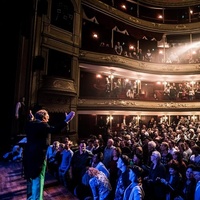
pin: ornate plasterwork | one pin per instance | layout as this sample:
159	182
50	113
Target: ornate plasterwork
171	3
147	25
63	86
100	58
118	103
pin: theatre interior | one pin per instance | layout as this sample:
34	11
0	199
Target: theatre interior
116	63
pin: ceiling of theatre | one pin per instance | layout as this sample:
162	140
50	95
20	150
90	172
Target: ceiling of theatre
171	3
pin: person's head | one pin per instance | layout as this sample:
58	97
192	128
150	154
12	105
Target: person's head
56	144
135	174
196	173
68	144
110	142
123	162
98	157
82	146
61	147
137	159
117	152
164	146
42	115
195	150
22	99
155	156
177	155
189	171
151	145
96	142
92	171
173	167
139	150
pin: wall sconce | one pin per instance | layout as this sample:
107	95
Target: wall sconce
94	35
109	120
194	117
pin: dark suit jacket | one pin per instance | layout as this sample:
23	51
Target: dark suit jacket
36	146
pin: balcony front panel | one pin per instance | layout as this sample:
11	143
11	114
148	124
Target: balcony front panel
133	105
131	64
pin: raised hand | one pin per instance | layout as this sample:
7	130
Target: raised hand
69	116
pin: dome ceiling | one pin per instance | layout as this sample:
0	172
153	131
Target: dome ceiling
171	3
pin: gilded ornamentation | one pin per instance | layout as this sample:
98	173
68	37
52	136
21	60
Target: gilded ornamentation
173	105
118	103
113	59
135	20
181	26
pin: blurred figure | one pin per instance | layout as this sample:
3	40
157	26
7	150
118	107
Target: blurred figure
173	182
81	159
123	177
108	152
154	190
188	185
113	169
196	172
118	48
51	156
134	191
99	184
21	115
64	166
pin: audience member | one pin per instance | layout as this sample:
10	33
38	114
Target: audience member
97	148
195	157
15	155
154	190
123	177
113	169
182	165
165	155
196	172
118	48
64	166
81	159
189	185
108	152
51	154
99	184
135	190
97	163
173	182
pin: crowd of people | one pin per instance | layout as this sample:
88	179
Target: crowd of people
173	55
146	162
